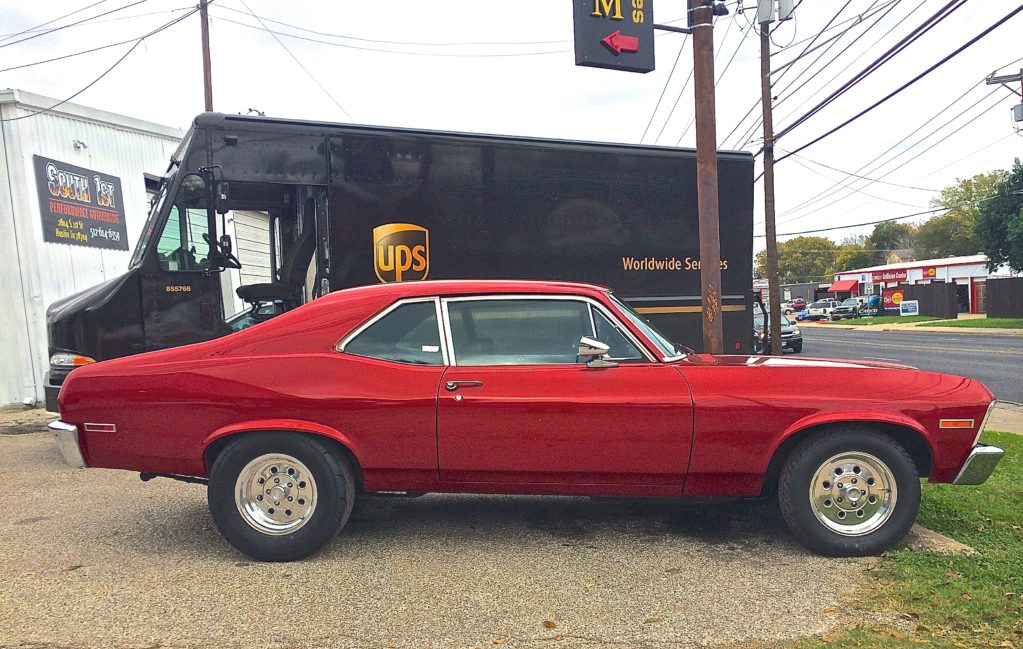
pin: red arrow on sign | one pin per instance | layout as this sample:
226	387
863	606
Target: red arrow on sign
618	43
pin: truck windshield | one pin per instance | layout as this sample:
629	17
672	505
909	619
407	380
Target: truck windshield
158	200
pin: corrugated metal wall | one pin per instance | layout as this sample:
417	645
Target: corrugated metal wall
34	273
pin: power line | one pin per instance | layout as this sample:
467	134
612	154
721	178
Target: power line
387	42
909	83
877	63
295	58
856	225
858	190
674	65
903	152
386	51
105	72
50	22
91	23
57	29
873	180
88	51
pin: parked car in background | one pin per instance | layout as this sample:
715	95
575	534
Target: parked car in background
802	315
791	337
799	304
820	310
848	309
520	388
787	308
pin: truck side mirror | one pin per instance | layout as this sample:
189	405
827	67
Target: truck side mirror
222	196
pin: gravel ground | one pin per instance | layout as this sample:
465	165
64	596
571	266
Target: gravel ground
98	558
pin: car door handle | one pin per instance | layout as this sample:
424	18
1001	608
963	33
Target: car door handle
451	386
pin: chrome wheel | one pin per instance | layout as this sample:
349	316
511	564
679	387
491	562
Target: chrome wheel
275	494
853	494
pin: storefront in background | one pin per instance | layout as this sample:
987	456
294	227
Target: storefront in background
969	274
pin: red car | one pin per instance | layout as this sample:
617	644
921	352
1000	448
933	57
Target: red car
517	387
799	304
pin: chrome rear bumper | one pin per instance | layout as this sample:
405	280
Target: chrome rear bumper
66	438
979	465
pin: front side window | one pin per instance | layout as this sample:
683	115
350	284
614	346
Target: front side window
518	331
184	242
407	334
609	334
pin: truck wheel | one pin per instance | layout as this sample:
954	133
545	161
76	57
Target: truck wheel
279	496
796	348
851	492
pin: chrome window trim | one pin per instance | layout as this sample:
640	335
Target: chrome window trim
612	318
352	335
624	332
983	422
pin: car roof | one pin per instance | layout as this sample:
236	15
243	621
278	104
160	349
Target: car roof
445	287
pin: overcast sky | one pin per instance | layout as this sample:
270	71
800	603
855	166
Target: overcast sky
508	67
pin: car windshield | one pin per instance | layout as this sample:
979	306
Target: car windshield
851	302
668	349
758	321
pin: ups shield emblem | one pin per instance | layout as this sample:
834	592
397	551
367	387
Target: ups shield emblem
401	252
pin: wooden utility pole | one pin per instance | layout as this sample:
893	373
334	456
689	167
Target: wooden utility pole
206	69
702	20
773	288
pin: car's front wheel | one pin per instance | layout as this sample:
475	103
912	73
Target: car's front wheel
850	492
280	496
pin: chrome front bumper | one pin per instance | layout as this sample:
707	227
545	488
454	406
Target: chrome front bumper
66	438
979	465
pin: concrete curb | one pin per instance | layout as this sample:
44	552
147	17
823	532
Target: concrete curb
921	539
918	328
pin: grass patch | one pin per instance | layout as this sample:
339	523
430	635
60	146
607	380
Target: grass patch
983	323
957	601
894	319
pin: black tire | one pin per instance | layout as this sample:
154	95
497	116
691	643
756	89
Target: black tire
796	348
332	485
812	456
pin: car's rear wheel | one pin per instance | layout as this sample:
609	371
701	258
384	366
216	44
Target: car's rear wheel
849	492
280	496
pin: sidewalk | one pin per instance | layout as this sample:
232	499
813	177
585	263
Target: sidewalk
1007	418
910	326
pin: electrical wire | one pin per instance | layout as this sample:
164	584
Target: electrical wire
50	22
856	225
81	52
295	58
873	180
674	65
105	72
875	65
85	20
909	83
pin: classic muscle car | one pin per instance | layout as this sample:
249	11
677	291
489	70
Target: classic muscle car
517	387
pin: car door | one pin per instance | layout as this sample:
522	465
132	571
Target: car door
518	406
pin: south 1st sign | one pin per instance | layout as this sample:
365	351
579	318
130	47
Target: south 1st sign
615	34
80	206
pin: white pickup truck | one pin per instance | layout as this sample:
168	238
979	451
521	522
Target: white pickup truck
821	310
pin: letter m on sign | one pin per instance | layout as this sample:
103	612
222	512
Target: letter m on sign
609	8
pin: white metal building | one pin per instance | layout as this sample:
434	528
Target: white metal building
35	272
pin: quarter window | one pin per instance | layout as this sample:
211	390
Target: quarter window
408	334
609	334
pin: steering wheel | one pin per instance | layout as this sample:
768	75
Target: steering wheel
227	258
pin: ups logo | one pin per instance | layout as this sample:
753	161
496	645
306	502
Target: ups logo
401	252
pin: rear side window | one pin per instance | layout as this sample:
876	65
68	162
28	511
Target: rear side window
408	334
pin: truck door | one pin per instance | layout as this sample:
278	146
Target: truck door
181	292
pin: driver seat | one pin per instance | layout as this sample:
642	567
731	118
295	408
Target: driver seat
291	275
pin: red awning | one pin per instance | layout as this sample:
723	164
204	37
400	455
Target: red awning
844	286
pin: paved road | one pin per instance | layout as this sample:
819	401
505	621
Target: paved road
97	558
995	360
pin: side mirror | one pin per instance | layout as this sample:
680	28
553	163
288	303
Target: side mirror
221	196
596	352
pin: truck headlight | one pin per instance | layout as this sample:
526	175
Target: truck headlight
70	361
795	332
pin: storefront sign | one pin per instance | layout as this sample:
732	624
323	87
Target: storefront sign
79	206
615	34
930	272
893	298
889	275
909	307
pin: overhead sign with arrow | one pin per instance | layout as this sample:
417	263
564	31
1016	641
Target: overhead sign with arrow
614	34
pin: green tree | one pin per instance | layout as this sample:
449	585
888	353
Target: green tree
803	259
851	256
889	236
1000	222
954	232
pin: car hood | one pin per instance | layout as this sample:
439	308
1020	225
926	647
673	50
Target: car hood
788	361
